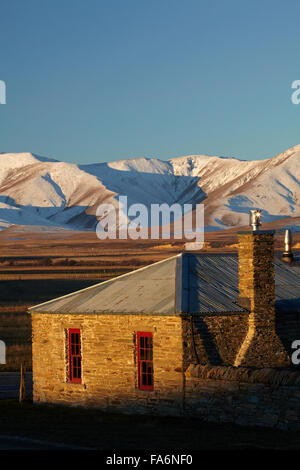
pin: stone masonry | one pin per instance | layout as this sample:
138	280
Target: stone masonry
109	375
261	347
213	339
249	397
220	366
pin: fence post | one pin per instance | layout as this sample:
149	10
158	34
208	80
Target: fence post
22	392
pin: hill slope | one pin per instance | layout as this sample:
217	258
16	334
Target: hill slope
40	191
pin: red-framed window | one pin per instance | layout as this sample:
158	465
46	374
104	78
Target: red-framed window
74	353
145	360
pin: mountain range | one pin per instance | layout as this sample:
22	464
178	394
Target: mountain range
45	192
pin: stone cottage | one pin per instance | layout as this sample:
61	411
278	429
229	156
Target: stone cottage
150	341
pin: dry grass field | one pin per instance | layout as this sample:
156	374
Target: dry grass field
37	265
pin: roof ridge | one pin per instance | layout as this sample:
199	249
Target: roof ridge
103	282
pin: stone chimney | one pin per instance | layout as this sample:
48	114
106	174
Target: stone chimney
261	346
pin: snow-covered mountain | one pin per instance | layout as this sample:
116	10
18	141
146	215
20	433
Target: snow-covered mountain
41	191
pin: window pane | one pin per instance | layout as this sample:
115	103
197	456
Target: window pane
74	356
73	368
77	349
145	358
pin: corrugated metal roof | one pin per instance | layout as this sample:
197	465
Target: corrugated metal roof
187	283
287	286
147	290
212	283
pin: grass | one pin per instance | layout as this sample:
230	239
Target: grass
15	322
17	354
31	280
15	331
93	428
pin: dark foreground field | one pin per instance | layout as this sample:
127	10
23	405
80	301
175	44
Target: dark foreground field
88	428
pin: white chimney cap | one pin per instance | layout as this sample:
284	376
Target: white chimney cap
287	254
255	218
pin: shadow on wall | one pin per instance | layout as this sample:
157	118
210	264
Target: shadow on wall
208	341
217	341
165	404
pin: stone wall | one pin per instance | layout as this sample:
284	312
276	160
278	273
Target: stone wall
265	397
217	339
213	339
261	347
221	393
109	376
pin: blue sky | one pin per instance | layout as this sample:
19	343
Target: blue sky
91	81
